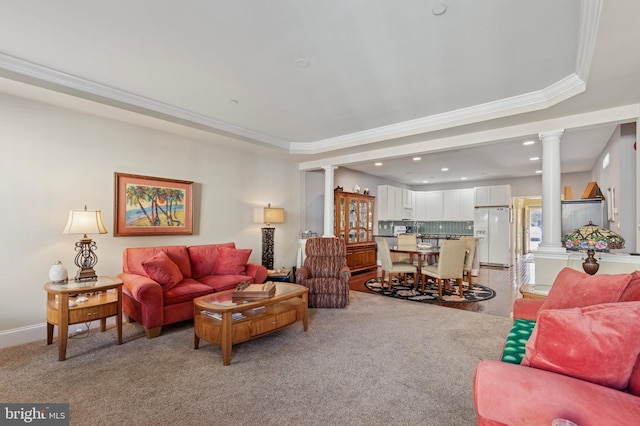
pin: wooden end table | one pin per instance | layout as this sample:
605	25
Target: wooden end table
279	275
533	291
213	316
101	304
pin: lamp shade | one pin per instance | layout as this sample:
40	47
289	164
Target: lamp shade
273	215
85	222
592	237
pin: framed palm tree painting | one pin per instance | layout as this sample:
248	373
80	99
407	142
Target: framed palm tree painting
146	205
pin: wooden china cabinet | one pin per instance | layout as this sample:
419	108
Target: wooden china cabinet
354	224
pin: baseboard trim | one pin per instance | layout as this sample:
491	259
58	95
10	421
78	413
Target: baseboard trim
33	333
22	335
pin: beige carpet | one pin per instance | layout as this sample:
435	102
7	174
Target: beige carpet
380	361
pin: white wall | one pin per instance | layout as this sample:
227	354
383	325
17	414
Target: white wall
620	174
54	160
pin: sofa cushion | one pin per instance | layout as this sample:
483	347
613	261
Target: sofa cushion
632	291
132	258
574	289
186	291
204	258
598	343
232	261
163	270
224	282
515	347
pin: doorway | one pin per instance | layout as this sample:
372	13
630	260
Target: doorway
533	227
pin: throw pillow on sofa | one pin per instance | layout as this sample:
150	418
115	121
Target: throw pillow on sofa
598	343
232	261
163	270
574	289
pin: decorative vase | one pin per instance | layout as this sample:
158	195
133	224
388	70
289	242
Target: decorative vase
58	273
356	189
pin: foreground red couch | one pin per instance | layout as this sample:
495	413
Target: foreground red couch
582	359
160	283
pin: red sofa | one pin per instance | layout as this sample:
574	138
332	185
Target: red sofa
160	283
582	360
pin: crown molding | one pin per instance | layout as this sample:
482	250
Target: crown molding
563	89
551	95
66	83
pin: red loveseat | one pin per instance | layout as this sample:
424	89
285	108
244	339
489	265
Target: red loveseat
160	283
582	360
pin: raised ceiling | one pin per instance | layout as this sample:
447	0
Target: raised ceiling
325	80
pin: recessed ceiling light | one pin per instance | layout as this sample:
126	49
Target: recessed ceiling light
528	143
302	63
534	158
463	178
439	9
417	158
377	164
425	181
538	171
444	169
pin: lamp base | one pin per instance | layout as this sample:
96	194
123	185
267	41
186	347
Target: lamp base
267	247
590	264
86	274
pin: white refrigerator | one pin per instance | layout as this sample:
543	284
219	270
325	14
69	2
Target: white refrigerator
491	226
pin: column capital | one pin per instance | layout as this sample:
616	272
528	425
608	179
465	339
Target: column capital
329	168
551	134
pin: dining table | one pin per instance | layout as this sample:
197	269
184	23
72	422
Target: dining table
421	252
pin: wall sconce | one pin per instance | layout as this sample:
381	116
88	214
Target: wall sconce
85	222
268	215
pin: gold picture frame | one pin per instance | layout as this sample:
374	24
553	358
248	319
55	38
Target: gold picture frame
146	205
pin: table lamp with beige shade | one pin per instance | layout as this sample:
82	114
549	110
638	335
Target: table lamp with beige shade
85	222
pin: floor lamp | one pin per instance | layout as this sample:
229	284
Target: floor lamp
268	215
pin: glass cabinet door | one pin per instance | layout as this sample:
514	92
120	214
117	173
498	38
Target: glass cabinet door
353	221
340	218
362	221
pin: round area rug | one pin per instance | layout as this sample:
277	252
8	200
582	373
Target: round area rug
477	293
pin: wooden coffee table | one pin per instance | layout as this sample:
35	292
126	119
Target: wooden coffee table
214	322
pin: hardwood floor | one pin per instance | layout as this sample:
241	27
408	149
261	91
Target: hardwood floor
505	281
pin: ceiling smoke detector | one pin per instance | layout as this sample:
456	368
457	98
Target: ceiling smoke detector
439	9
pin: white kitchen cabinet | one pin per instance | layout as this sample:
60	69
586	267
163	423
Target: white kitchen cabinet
434	205
489	196
407	199
451	204
458	204
420	209
389	203
466	204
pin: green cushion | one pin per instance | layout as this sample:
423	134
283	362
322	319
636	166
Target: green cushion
515	347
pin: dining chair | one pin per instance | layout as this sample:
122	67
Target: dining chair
450	265
468	259
391	267
405	240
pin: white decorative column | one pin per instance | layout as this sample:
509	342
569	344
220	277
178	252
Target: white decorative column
551	201
329	220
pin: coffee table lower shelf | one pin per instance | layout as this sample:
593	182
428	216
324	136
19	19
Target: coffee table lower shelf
258	321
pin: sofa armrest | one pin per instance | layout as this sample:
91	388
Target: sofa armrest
302	274
258	272
536	397
345	274
527	309
141	288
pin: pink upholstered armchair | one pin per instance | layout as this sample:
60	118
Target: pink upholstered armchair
325	273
